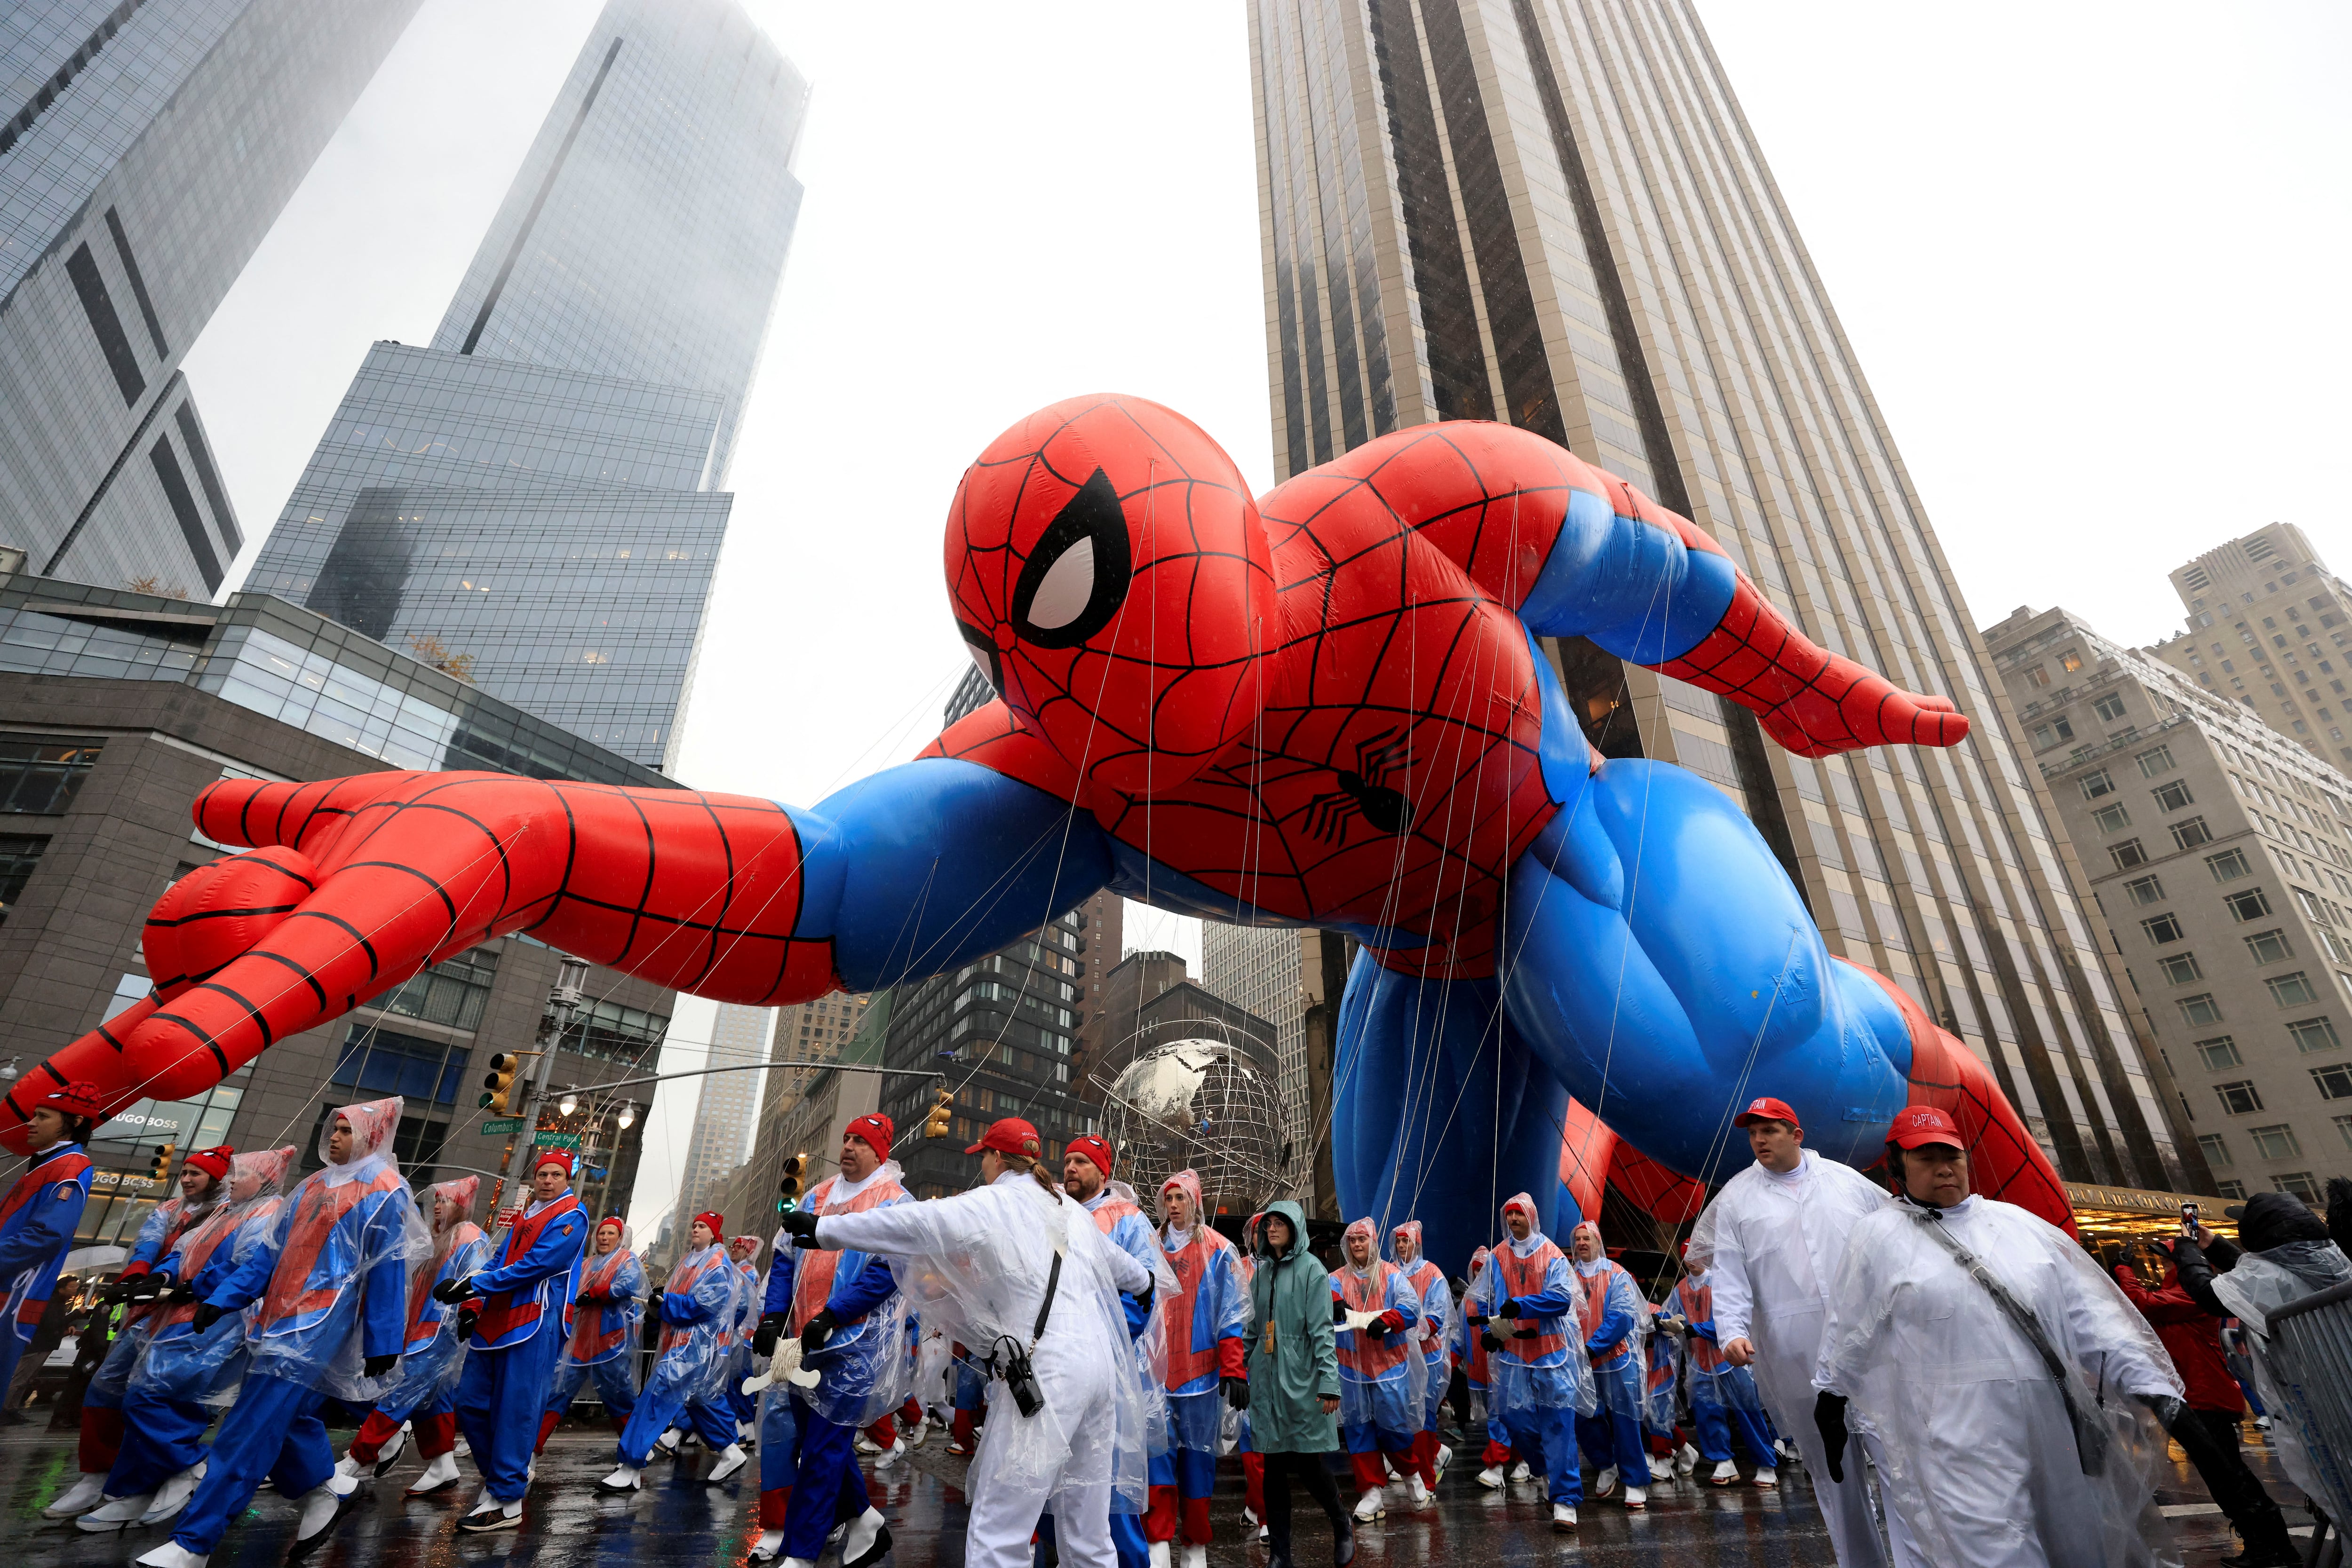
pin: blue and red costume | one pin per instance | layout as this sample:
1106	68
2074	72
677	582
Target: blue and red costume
1326	707
605	1318
1615	1318
1380	1388
525	1324
37	1219
1117	1216
1208	1341
1535	1379
432	1351
697	1314
1723	1398
1436	1298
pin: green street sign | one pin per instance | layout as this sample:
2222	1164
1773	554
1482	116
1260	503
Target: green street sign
503	1127
556	1140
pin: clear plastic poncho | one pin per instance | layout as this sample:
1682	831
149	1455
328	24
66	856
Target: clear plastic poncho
693	1361
1525	1378
157	1241
208	1368
1708	1380
1389	1396
2258	1285
975	1266
1219	1309
863	1372
1976	1446
345	1230
1434	1333
1133	1234
435	1354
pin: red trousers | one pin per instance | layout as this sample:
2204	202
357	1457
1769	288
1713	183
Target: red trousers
436	1436
101	1439
1253	1483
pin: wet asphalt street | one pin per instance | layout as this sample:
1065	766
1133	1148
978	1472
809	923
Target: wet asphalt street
677	1520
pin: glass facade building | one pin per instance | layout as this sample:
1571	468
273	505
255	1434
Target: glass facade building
538	492
1556	214
146	147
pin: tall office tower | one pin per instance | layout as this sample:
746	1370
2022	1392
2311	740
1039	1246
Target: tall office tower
1553	212
536	499
812	1031
147	147
1259	968
2218	849
727	1109
2267	629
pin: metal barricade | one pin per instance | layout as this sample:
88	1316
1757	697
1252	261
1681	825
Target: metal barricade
2309	1359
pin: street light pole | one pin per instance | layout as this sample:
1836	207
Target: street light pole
562	1002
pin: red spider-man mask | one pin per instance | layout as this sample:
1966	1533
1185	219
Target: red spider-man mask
1109	569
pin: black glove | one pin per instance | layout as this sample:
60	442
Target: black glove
771	1329
377	1365
145	1288
1236	1392
801	1226
1378	1331
466	1318
178	1295
2169	1412
1829	1420
207	1315
1508	1307
816	1331
450	1292
1338	1313
1478	1320
1491	1340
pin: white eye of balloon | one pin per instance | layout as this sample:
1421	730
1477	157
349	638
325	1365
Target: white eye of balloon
1067	588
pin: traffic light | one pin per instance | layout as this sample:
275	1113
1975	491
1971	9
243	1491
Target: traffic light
501	1083
942	1115
162	1165
788	1191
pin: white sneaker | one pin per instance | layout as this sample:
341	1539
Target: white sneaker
769	1547
1766	1478
1605	1482
626	1479
1563	1517
171	1554
866	1445
1637	1497
440	1470
1161	1556
1491	1477
1196	1557
491	1514
116	1513
1444	1457
348	1466
321	1507
1725	1474
173	1495
1685	1460
730	1458
922	1430
81	1497
1371	1506
1418	1491
893	1454
868	1542
1519	1472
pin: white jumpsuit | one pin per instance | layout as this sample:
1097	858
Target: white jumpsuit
979	1262
1775	1243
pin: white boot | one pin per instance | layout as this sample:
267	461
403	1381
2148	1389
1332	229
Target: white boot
1725	1474
393	1450
730	1458
1492	1477
626	1479
116	1513
1604	1483
173	1495
893	1454
1444	1457
491	1514
321	1506
440	1470
79	1498
171	1554
1563	1517
1371	1505
1766	1478
1418	1491
348	1466
866	1445
868	1542
669	1441
922	1430
1685	1460
1520	1472
1196	1557
769	1547
1637	1497
1160	1557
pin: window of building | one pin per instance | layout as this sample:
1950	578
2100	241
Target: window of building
2221	1052
2315	1034
2179	968
2112	819
2072	659
2275	1142
2294	990
2189	833
2229	865
2302	1184
2162	928
2269	946
452	992
2155	760
2216	1150
381	1061
2038	676
2238	1099
2334	1081
19	854
2230	1189
2343	1129
2129	853
2058	729
2173	796
2201	1008
43	775
2110	707
2096	783
2248	906
2144	890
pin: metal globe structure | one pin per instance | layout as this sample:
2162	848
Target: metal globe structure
1211	1105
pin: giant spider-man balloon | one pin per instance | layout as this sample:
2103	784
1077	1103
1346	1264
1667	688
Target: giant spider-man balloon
1327	708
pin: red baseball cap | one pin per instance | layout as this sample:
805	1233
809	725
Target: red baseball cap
1914	1126
1764	1108
876	1129
1094	1149
1010	1136
553	1157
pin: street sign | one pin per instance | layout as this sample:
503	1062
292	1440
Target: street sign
501	1126
557	1140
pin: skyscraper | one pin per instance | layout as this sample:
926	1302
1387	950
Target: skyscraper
727	1108
148	147
1553	212
536	497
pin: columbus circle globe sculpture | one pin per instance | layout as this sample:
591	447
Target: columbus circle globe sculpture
1208	1105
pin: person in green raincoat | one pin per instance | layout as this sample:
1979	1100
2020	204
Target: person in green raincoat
1294	1380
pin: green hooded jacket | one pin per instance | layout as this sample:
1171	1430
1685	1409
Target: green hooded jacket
1293	1294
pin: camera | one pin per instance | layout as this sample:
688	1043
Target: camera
1021	1379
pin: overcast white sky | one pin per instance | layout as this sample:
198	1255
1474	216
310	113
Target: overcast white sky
2091	257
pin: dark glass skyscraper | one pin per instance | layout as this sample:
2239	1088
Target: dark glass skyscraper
146	146
536	499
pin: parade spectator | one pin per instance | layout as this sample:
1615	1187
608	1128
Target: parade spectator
1294	1381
